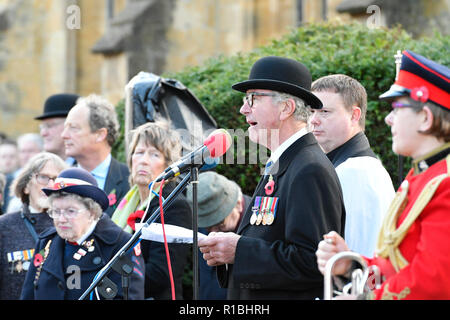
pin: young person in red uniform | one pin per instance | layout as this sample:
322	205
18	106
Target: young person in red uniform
414	242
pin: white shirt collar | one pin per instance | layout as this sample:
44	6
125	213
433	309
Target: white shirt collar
87	233
286	144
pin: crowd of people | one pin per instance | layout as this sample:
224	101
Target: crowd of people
68	206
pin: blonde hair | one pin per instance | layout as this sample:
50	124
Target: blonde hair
161	136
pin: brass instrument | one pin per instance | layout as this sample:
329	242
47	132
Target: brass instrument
359	284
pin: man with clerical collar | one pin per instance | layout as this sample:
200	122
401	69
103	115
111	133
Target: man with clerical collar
414	241
366	185
271	255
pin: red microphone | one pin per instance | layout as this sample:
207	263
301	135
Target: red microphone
218	143
215	145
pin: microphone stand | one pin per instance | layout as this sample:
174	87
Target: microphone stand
135	237
195	281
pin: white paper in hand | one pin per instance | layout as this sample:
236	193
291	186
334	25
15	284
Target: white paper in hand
174	234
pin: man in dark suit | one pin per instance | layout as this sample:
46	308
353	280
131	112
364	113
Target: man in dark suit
90	130
299	198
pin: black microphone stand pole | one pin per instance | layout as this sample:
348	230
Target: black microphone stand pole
135	237
194	181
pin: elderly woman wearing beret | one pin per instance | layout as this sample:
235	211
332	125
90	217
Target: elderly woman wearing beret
68	257
19	230
153	147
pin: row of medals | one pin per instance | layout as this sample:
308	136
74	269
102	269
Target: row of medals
265	217
19	266
24	264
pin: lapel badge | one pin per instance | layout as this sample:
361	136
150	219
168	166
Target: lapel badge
269	187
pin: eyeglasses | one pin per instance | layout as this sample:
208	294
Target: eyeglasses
69	213
400	105
44	179
50	125
249	97
397	105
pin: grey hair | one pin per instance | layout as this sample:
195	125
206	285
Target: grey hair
302	111
161	136
102	114
33	166
32	137
90	204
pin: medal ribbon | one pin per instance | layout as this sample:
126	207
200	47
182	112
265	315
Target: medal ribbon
257	202
274	206
264	205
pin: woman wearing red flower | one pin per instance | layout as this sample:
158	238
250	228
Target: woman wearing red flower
20	230
153	147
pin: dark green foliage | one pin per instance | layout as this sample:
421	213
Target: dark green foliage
119	151
352	49
355	50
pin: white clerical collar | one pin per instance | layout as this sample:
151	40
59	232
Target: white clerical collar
286	144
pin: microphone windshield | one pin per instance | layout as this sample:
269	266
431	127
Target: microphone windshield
218	142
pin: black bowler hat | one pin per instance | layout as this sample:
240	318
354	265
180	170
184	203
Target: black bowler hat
283	75
421	79
80	182
58	105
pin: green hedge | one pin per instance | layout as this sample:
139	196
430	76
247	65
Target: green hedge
352	49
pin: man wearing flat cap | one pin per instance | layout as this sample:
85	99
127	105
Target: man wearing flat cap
56	108
297	200
221	205
413	246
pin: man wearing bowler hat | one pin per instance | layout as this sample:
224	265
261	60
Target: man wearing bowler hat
56	108
271	255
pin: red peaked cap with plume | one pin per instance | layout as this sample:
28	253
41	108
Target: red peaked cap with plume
421	79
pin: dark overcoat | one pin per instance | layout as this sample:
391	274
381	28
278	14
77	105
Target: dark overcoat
57	279
116	182
278	261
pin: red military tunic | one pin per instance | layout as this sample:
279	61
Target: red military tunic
418	265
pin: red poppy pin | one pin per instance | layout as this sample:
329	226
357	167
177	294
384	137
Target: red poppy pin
38	259
131	221
112	197
270	185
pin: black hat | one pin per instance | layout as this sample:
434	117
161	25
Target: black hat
421	79
80	182
58	105
283	75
